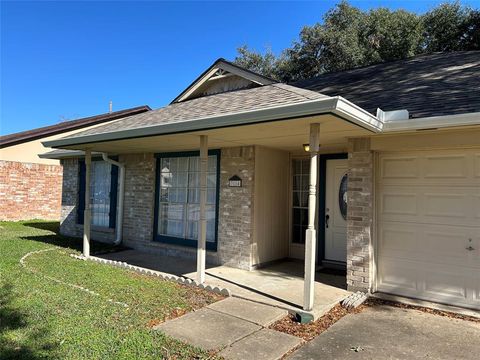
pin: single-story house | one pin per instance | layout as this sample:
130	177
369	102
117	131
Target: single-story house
31	186
376	170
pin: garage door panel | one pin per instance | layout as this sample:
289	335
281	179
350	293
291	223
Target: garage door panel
396	240
399	202
441	244
428	214
476	205
430	204
476	166
445	166
459	167
400	167
398	275
446	283
449	203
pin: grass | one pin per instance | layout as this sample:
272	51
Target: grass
44	319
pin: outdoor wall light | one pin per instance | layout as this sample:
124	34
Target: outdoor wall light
306	147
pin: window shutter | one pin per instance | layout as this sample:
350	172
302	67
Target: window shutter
81	191
113	196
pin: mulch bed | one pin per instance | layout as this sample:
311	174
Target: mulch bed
307	332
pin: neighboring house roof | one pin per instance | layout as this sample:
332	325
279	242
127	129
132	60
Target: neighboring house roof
219	71
210	106
428	85
29	135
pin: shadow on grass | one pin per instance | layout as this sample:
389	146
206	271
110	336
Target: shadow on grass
53	226
96	248
34	344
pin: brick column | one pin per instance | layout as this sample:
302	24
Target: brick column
360	214
235	223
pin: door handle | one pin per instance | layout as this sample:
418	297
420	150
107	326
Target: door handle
470	248
327	217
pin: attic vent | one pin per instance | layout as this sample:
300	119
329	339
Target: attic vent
394	115
220	74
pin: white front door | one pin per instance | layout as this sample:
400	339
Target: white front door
336	210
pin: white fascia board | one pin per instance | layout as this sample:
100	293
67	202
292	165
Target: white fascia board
433	122
57	155
334	105
357	115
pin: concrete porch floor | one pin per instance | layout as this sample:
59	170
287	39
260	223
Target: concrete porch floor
280	284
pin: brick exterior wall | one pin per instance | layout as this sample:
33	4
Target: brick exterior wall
30	191
360	214
235	228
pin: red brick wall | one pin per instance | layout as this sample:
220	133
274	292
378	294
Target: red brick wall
30	191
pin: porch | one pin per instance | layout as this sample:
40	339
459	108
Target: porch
280	284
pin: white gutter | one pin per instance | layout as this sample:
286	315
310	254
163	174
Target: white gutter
121	191
333	105
432	122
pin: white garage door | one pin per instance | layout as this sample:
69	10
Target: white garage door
429	225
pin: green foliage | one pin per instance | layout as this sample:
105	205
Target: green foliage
44	319
451	27
349	38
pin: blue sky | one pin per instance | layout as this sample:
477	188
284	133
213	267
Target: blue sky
67	60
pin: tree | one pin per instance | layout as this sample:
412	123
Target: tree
451	27
348	38
260	63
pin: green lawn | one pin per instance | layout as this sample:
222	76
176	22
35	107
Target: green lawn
41	318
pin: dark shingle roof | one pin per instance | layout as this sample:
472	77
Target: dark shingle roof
29	135
427	85
211	105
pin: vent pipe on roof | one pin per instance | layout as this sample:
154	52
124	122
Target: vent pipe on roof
110	107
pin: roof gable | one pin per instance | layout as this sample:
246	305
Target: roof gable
222	76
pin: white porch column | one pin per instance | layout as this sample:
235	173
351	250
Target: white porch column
311	237
87	214
202	224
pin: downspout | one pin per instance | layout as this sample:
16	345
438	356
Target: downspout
121	190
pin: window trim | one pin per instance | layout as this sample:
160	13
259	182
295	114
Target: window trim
112	218
212	246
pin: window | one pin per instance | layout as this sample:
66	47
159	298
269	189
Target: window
300	181
177	210
103	193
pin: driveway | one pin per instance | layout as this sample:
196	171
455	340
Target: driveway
393	333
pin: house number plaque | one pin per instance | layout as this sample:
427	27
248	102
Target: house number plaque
235	181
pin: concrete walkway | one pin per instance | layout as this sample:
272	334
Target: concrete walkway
235	327
385	332
279	285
